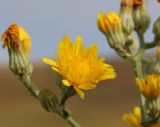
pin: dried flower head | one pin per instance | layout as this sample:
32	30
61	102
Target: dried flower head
18	42
15	37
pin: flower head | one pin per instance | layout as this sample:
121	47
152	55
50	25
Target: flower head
79	66
18	42
133	118
15	37
149	87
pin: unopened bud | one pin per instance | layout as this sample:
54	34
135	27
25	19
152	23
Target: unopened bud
18	42
49	101
141	19
126	16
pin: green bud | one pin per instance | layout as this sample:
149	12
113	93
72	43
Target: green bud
49	101
141	19
126	16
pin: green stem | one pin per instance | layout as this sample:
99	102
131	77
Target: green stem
72	122
32	88
138	71
137	61
65	114
151	45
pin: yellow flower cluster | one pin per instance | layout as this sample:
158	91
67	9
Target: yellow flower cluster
15	36
149	87
134	118
80	67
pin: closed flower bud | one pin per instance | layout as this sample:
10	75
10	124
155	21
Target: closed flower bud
49	101
18	42
126	16
141	19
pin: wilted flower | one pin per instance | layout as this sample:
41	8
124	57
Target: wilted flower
16	37
79	66
18	42
150	86
134	118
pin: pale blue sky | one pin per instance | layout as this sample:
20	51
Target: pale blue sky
47	21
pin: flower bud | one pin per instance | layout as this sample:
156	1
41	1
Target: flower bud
126	16
49	101
18	42
141	19
111	26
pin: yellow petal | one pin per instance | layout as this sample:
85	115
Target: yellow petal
80	92
65	82
55	69
49	61
86	86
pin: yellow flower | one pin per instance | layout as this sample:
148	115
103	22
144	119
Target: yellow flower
109	22
134	118
79	66
149	87
15	37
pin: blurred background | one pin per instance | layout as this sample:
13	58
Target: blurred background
47	22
